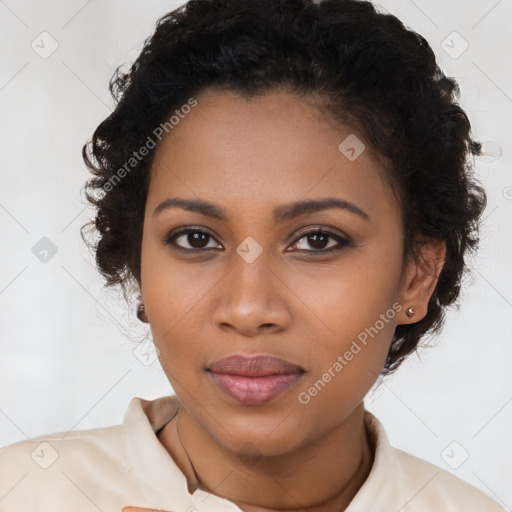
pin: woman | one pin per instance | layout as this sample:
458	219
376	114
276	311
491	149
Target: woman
286	184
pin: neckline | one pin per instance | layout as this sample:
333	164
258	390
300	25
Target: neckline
157	470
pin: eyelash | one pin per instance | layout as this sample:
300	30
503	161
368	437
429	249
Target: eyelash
342	241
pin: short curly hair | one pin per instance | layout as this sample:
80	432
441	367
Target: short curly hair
368	72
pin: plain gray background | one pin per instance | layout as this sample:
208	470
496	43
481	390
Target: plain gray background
67	345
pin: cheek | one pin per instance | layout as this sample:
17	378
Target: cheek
172	289
173	294
354	321
343	300
350	354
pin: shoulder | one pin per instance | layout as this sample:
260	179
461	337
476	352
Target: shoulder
401	481
437	489
97	469
45	450
46	472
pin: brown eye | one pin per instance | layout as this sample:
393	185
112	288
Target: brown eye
194	237
319	240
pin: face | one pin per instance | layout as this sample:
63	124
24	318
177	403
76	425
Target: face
321	288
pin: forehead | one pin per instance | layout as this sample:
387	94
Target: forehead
277	147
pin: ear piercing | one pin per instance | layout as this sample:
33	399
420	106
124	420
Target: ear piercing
409	312
141	313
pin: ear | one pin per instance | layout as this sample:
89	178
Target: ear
420	279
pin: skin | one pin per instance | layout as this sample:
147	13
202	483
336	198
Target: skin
292	301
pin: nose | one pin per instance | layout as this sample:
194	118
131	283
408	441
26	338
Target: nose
252	299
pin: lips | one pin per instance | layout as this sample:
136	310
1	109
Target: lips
254	380
253	366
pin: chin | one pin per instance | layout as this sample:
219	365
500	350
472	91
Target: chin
265	439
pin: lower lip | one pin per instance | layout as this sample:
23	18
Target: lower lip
254	390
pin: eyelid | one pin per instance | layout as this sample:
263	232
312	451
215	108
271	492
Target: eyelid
320	227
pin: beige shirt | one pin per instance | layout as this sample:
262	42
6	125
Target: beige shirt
105	469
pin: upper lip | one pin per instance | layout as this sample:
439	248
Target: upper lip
253	366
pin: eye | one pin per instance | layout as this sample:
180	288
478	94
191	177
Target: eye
195	237
318	239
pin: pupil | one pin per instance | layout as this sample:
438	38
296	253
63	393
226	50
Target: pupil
200	238
315	243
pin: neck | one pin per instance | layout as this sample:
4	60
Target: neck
323	475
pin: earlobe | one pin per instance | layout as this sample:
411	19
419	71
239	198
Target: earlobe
422	274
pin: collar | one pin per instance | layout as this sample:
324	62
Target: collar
160	479
162	482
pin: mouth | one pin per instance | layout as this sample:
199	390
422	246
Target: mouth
253	366
253	380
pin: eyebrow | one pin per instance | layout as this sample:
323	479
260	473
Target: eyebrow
281	213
